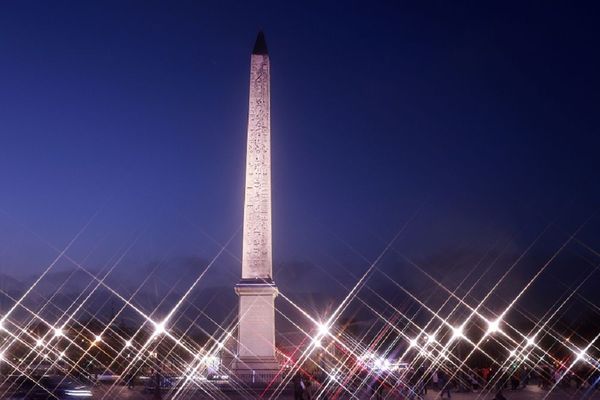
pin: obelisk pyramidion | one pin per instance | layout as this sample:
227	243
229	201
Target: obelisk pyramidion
256	290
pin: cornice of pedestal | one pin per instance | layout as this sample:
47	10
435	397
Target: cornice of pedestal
256	287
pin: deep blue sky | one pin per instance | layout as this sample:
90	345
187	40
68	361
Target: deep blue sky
480	118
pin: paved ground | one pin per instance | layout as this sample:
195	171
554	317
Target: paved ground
530	393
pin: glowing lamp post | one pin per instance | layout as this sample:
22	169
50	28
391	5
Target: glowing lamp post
159	328
431	338
581	355
323	329
493	326
458	332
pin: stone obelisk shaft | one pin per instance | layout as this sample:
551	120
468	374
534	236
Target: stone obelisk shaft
256	357
257	246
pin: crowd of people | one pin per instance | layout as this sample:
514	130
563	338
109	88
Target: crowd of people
415	383
546	376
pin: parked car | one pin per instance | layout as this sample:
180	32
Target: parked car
107	376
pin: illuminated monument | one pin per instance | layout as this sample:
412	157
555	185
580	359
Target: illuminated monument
257	291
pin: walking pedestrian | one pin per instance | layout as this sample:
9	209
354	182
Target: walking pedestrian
435	379
131	383
299	387
444	384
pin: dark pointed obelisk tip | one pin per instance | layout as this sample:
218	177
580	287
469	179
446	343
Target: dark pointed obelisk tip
260	47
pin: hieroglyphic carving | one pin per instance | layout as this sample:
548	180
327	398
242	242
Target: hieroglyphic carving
257	243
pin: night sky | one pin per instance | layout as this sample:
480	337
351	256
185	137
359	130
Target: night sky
473	127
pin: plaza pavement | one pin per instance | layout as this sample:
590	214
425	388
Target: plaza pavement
529	393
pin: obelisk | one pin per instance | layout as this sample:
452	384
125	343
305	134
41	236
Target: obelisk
256	290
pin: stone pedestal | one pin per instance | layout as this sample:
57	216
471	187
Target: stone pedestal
256	361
